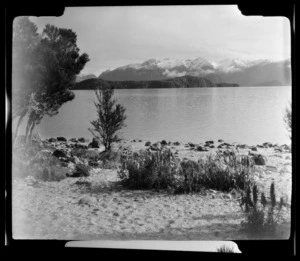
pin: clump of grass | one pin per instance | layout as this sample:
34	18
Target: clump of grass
161	170
41	165
220	172
148	170
81	170
261	217
225	249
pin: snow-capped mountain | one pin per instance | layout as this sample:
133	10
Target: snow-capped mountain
242	72
82	77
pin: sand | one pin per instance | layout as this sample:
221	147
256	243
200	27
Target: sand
99	208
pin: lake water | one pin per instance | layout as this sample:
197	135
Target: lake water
250	115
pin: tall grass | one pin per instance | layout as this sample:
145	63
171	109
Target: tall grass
261	217
148	170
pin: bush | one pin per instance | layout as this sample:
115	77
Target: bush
259	217
42	165
87	154
161	170
225	249
80	170
220	172
148	170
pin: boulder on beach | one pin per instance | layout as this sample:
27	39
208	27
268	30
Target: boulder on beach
59	154
209	142
163	142
192	145
61	139
253	148
94	144
80	146
87	200
200	148
242	146
259	159
176	143
52	140
220	140
155	147
73	140
82	140
148	143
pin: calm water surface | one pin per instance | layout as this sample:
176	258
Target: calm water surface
250	115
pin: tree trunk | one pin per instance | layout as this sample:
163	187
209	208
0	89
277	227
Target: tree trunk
27	130
17	128
31	129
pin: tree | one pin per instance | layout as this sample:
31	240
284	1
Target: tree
48	73
288	118
111	117
25	42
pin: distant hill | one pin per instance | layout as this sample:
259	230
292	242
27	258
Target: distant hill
241	72
177	82
82	77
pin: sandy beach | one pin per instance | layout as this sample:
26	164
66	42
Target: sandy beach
99	208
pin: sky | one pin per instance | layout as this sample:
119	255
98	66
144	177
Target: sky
117	36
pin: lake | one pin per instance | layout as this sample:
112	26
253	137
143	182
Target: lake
250	115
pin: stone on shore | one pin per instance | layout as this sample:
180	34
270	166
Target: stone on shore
148	143
52	140
59	154
61	139
95	144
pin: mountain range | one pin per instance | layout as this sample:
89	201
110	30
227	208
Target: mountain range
240	72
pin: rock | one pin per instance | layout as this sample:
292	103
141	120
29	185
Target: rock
260	146
163	142
61	139
155	147
94	144
81	146
148	143
242	146
259	159
191	144
278	150
211	146
209	142
220	146
220	140
73	140
52	140
87	200
133	141
285	147
81	140
59	154
288	157
140	140
267	144
226	196
271	168
253	148
176	143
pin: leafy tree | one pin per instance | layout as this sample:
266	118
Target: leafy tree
25	42
111	117
47	72
288	117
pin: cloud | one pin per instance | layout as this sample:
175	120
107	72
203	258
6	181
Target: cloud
173	73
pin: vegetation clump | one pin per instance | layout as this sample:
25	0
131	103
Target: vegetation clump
162	170
263	216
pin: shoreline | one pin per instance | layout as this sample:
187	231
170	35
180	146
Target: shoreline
97	207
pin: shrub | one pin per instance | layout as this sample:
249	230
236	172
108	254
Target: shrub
225	249
161	170
87	154
259	217
80	170
220	172
148	170
42	166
